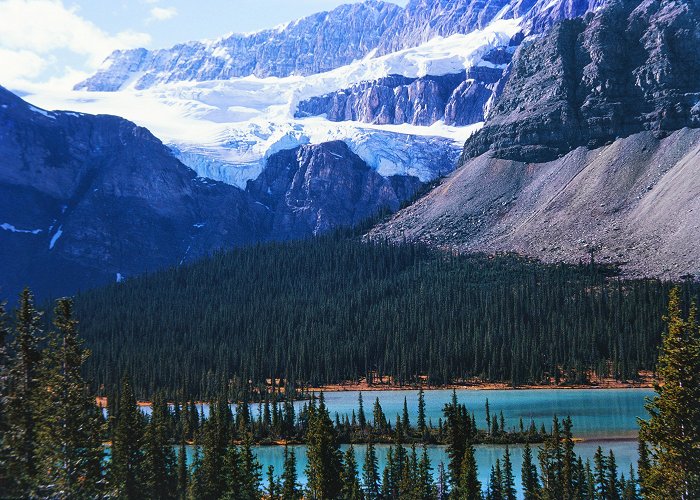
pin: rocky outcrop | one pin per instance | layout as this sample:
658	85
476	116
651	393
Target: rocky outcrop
313	188
458	99
634	202
314	44
632	66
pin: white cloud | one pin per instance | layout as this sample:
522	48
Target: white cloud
32	30
163	13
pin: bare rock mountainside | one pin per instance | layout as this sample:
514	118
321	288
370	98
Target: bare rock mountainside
89	199
591	146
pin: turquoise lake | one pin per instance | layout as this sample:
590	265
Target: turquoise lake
601	417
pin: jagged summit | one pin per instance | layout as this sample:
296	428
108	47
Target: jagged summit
324	41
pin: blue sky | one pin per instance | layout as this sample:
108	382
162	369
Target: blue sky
58	42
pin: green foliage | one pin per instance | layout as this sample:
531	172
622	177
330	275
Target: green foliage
69	423
672	433
333	309
126	464
324	468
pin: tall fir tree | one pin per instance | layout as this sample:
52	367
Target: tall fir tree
290	486
5	479
324	467
69	427
469	486
126	463
370	472
672	432
420	422
530	480
160	475
351	489
508	486
21	402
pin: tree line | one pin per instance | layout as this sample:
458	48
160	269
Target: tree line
52	438
333	309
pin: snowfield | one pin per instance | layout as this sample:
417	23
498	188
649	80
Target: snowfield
225	130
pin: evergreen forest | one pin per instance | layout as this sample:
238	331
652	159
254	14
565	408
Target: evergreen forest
333	309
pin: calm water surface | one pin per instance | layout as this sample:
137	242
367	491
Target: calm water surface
601	417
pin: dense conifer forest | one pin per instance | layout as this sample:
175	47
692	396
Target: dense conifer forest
334	309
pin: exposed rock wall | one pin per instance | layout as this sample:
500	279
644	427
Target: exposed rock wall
632	66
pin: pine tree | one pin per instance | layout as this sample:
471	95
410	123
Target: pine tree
159	457
529	475
469	486
613	486
5	480
250	471
508	487
420	422
70	449
495	489
405	423
290	488
672	432
370	472
21	402
351	489
426	489
126	464
182	473
361	418
601	476
273	486
324	467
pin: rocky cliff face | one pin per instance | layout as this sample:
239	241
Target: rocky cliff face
86	199
89	199
458	99
313	188
315	44
632	66
634	202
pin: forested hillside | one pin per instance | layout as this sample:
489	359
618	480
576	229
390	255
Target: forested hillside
333	309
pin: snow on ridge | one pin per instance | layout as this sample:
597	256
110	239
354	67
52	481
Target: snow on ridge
226	129
55	237
9	227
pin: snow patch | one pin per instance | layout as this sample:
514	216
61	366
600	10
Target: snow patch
9	227
47	114
55	237
119	278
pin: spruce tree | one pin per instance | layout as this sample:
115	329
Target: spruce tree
69	427
250	471
508	487
215	442
273	487
182	472
126	464
469	486
160	479
290	487
426	489
351	489
529	475
21	402
361	418
420	422
5	480
370	472
324	467
672	432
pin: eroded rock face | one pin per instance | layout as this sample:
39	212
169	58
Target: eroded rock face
632	66
313	188
458	99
